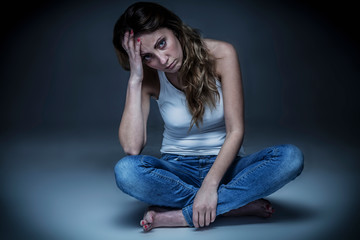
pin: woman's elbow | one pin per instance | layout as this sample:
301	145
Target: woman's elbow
236	132
131	151
132	148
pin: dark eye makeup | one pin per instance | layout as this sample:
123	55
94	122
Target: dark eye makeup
161	44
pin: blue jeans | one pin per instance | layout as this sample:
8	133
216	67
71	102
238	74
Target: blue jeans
173	180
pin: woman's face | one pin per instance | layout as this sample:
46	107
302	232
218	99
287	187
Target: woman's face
161	50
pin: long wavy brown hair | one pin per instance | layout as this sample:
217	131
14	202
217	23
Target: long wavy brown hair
197	73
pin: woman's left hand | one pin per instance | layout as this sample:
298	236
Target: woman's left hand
204	206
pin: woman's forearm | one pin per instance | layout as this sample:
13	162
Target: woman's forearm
205	202
132	132
227	154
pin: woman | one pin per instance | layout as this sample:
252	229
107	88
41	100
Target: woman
202	172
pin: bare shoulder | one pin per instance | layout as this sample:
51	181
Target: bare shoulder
225	55
220	49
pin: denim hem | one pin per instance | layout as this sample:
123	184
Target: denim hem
187	215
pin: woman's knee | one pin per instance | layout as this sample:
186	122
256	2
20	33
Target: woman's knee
125	170
293	159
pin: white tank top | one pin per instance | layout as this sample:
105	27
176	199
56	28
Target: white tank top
177	139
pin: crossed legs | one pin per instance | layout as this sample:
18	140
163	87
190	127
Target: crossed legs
249	179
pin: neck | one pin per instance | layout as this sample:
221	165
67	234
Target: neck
173	78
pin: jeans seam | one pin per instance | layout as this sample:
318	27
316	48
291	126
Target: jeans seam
168	178
244	176
187	216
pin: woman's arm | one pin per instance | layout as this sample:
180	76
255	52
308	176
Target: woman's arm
228	68
132	129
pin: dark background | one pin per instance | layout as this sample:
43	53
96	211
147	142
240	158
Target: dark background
299	59
60	77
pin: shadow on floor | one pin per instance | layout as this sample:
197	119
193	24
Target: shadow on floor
130	218
285	212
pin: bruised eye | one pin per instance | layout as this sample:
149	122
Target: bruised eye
162	43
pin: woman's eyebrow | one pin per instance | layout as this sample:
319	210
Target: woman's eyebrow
157	41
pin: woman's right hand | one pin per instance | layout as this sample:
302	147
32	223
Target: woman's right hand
132	48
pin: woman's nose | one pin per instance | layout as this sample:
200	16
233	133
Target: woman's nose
163	59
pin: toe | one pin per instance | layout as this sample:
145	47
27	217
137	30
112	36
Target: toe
147	222
269	208
147	227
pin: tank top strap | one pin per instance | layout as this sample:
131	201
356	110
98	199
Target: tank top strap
167	90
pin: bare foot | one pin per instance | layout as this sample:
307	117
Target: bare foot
259	208
162	217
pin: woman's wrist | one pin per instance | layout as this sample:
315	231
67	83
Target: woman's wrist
135	81
210	183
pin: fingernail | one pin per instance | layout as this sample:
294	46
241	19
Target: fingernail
131	31
145	227
138	39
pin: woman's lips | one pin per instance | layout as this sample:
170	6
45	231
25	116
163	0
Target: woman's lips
171	66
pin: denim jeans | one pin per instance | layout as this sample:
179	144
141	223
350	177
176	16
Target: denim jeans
173	180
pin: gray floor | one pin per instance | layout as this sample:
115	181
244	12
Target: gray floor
60	185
